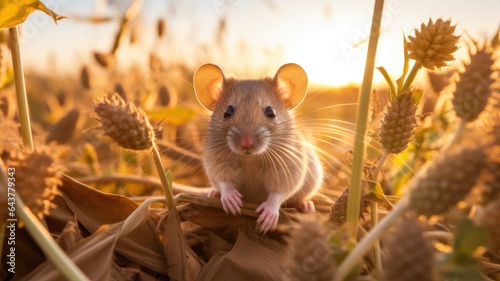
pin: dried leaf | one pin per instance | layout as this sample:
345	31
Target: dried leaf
62	131
183	263
15	12
94	209
212	217
253	257
70	236
375	193
93	255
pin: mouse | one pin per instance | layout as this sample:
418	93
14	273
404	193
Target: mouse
254	151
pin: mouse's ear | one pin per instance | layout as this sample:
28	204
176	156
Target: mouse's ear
207	82
291	84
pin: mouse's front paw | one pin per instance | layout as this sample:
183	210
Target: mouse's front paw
268	219
231	201
307	207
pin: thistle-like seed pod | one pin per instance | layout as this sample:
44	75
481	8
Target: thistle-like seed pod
161	28
439	81
312	258
164	96
399	122
474	86
409	254
121	91
85	78
447	180
434	44
37	178
126	124
62	131
339	209
4	106
104	60
489	189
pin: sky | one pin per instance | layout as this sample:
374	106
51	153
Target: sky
327	38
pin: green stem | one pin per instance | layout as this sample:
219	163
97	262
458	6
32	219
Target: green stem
49	247
22	101
42	237
374	214
377	257
443	235
354	197
37	231
411	77
380	165
165	183
356	256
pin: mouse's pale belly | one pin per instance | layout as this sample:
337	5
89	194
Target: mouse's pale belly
258	178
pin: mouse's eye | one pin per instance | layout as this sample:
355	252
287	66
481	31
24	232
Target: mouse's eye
229	112
269	112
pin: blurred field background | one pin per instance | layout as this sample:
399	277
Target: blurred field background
147	51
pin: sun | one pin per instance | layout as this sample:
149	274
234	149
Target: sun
331	60
325	60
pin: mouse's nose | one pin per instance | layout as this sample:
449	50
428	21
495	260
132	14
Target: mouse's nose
246	140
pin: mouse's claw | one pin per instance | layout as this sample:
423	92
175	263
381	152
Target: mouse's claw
231	201
307	207
268	219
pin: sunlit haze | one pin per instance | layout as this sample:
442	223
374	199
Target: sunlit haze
249	38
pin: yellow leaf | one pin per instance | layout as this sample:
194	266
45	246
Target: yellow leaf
14	12
176	116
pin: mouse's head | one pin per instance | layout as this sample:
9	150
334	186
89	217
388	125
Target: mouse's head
248	116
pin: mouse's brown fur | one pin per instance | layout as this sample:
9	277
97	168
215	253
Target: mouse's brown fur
254	151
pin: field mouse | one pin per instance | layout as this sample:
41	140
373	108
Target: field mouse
254	151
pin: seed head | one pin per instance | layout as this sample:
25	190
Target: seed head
399	122
434	44
164	96
104	60
474	86
121	91
126	124
161	28
311	254
447	180
489	189
62	131
85	78
409	254
37	178
339	209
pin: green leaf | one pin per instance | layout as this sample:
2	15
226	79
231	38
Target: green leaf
168	175
13	13
176	116
401	79
416	96
375	193
468	238
462	262
389	82
452	271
